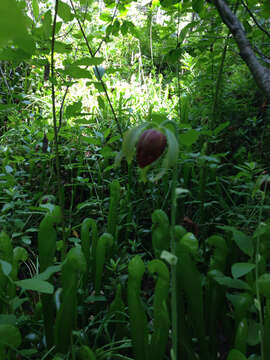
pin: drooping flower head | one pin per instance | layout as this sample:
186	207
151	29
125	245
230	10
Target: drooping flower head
150	147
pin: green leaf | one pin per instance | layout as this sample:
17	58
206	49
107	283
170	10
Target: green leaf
197	5
266	8
253	333
99	86
236	355
7	319
13	55
240	269
264	285
77	72
184	32
10	336
45	275
35	9
6	267
64	11
62	48
35	284
87	61
73	109
243	241
106	17
189	138
221	279
13	26
19	254
47	24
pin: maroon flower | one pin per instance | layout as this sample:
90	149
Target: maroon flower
150	146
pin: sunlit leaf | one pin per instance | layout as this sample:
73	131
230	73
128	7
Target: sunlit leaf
88	61
64	11
13	26
35	8
77	72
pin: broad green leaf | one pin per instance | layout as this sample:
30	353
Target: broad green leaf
253	333
19	254
45	275
35	8
264	285
64	11
240	269
189	138
73	109
168	3
6	267
35	284
16	55
197	5
266	8
87	61
107	17
7	107
184	32
47	24
10	336
13	26
62	48
243	241
221	279
77	72
236	355
99	86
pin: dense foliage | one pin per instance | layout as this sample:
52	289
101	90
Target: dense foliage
134	179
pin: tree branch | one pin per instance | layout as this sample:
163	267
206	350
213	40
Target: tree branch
254	19
260	73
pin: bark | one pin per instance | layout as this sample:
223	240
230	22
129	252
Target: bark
260	73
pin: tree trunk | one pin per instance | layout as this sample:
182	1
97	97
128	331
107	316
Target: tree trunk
260	73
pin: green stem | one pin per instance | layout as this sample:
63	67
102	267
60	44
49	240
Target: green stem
173	267
57	158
